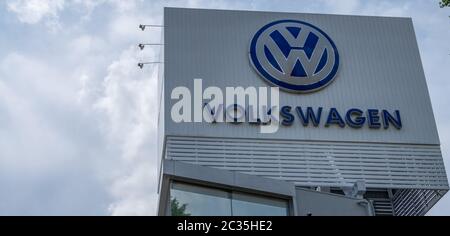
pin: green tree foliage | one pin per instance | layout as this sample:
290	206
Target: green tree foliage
176	209
444	3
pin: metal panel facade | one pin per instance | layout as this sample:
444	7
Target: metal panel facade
318	163
380	68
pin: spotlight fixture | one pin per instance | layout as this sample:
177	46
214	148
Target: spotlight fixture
141	64
142	45
142	27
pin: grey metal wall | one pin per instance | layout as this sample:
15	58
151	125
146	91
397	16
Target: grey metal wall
325	204
412	202
380	68
309	163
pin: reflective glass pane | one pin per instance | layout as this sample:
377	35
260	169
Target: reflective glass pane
251	205
194	200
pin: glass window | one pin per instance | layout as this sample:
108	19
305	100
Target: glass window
191	200
253	205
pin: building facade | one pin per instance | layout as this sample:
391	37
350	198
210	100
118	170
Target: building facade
354	128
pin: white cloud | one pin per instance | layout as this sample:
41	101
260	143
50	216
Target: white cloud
48	11
88	5
342	7
46	143
33	11
128	106
135	193
87	46
124	6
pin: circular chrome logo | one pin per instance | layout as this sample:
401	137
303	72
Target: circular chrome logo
294	55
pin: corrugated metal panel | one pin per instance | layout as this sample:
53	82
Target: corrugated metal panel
310	163
380	68
383	207
415	202
381	200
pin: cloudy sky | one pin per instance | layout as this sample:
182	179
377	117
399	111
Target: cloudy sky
78	119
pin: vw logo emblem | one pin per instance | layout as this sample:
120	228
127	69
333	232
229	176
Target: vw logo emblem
294	55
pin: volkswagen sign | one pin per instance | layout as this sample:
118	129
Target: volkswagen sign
294	55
